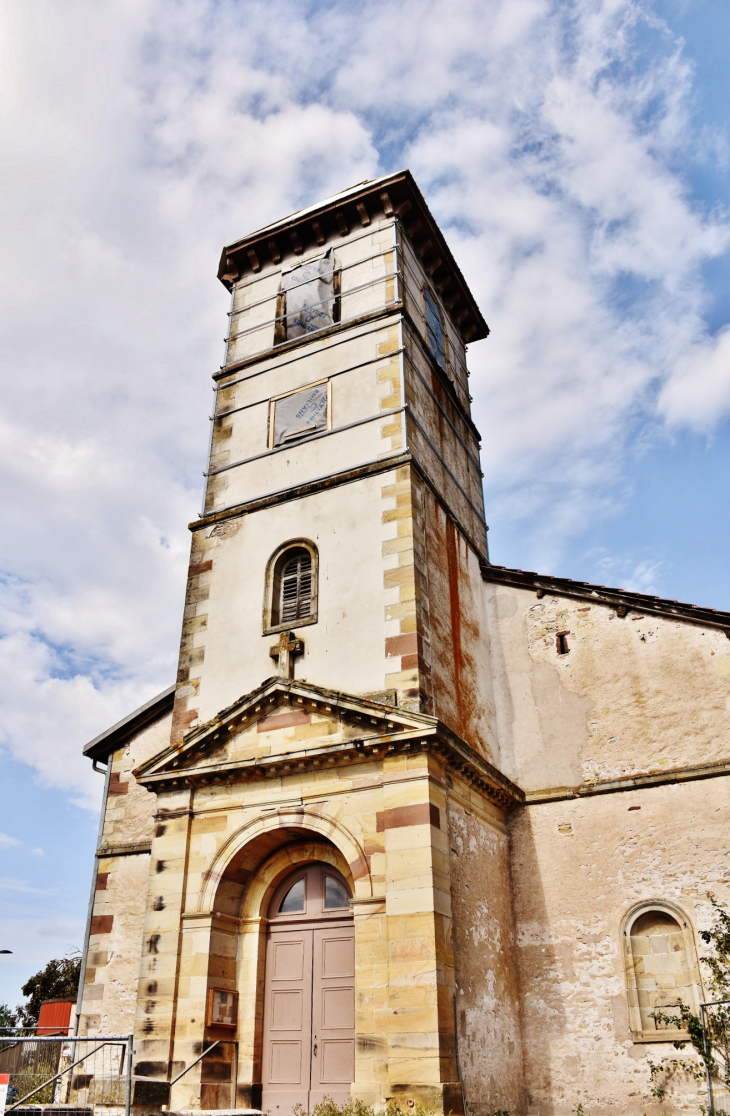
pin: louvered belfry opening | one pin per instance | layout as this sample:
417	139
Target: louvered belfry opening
295	594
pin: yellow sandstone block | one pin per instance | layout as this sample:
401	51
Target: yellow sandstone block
389	401
388	491
417	900
425	1070
405	926
397	513
408	863
318	728
390	429
413	973
402	609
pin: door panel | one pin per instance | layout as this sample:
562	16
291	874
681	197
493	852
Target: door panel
338	956
287	1021
285	1065
338	1008
286	1010
338	1062
288	960
333	1013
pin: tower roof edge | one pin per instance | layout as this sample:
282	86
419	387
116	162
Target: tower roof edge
394	195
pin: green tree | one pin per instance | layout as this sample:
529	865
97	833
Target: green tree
59	980
8	1018
712	1045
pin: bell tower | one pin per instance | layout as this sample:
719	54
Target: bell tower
333	700
342	434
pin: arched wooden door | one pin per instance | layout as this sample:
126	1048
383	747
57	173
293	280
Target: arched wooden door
309	992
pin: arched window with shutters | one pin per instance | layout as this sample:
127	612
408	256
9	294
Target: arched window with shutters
290	598
661	970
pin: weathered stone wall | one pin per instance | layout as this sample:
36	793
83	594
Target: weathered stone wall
220	849
578	866
634	694
110	988
487	990
451	590
415	279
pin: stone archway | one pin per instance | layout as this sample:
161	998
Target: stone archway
237	893
247	848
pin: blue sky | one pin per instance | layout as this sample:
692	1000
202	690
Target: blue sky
577	154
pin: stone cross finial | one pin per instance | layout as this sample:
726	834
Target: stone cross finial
288	646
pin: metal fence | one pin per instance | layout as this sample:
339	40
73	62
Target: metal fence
91	1076
715	1020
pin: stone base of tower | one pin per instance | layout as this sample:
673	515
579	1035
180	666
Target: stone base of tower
381	799
445	1098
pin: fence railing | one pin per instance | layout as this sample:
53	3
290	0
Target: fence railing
715	1020
89	1074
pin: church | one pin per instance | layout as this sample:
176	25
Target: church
408	824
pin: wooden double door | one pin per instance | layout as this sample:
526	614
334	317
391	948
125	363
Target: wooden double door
309	1005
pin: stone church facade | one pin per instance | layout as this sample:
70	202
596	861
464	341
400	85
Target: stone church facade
408	824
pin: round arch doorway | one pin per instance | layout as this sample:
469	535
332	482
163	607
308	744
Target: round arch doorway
309	992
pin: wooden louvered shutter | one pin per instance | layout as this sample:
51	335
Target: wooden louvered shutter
296	589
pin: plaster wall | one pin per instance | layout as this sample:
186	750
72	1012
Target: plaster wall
110	988
487	989
345	648
359	389
455	630
366	262
635	694
578	866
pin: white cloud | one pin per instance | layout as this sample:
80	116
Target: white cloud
697	394
641	576
140	136
7	842
72	929
8	883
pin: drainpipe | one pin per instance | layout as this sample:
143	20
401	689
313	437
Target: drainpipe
106	772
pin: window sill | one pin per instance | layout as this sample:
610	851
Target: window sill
288	346
290	626
660	1036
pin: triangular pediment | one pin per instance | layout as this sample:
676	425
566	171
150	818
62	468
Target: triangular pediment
284	723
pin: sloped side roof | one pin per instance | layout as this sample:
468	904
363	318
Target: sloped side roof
617	598
100	747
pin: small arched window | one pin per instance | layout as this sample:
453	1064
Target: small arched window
295	588
291	586
661	970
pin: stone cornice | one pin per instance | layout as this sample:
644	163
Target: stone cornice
128	849
382	730
393	196
628	783
457	755
306	488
